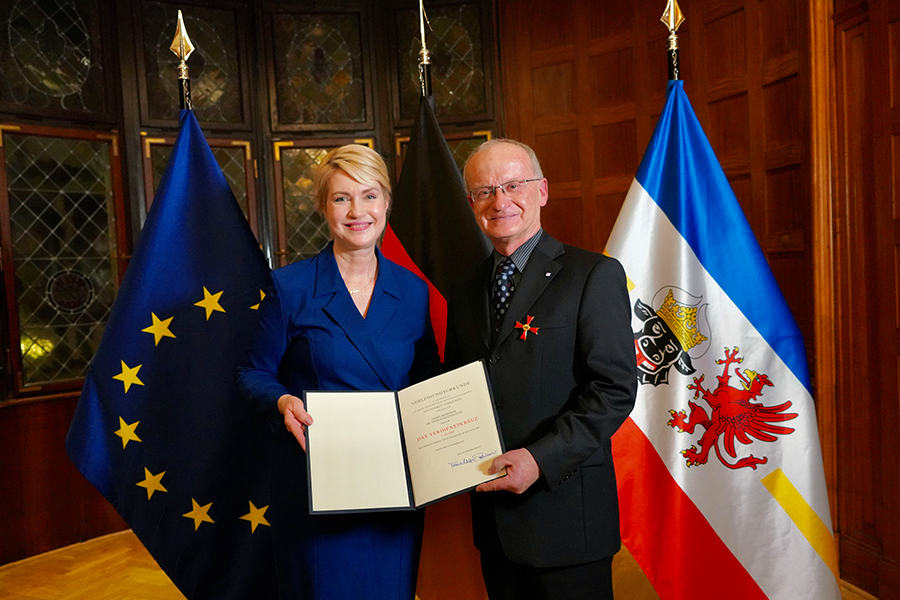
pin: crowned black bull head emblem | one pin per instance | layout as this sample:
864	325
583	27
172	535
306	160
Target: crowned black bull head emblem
664	340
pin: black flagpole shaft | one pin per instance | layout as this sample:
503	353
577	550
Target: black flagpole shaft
426	79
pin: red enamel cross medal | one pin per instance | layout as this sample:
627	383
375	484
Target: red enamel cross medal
527	328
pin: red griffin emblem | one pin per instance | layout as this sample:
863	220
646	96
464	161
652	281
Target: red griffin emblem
527	328
734	415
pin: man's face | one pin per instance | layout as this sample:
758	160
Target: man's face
507	219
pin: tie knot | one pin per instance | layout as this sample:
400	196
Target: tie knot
506	267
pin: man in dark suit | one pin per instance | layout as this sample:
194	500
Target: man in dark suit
552	323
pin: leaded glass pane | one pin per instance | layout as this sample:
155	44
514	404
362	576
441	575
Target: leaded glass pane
64	247
306	231
50	55
460	148
231	161
318	69
457	70
214	71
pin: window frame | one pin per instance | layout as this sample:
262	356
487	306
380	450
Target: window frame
17	386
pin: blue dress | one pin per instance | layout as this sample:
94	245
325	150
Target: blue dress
311	336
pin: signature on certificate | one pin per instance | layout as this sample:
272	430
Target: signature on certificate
478	457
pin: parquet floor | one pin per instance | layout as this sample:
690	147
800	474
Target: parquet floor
118	567
112	567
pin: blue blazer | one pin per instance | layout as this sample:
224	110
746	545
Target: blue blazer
312	337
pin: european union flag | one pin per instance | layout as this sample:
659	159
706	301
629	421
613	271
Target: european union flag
159	428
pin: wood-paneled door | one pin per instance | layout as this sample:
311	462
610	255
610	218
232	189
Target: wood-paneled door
867	213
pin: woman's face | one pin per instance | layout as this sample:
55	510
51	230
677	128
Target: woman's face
355	212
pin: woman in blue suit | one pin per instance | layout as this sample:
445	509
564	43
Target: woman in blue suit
346	319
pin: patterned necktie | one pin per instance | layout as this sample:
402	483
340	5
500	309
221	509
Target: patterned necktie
503	288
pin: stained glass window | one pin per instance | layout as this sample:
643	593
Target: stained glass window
318	69
305	232
457	70
232	158
301	231
62	224
214	69
461	146
50	55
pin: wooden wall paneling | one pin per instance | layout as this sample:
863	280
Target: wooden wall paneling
887	174
575	93
866	203
46	502
822	126
856	472
890	179
651	42
785	117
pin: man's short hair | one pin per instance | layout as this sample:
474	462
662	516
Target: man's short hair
535	163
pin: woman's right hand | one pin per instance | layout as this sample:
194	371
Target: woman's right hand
296	419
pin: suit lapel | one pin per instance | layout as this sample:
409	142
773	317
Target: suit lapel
539	272
360	331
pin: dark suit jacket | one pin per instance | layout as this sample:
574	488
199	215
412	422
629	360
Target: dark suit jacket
561	393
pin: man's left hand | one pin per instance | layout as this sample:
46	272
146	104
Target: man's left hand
521	471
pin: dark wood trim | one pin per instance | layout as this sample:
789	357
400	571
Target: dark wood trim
241	15
489	64
107	116
822	154
249	170
401	139
46	502
277	146
111	139
364	15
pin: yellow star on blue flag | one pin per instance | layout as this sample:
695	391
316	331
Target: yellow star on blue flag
196	432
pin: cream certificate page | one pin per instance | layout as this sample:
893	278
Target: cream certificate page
451	433
355	454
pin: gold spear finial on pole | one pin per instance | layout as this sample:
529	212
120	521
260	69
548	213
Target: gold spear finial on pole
672	17
182	47
424	54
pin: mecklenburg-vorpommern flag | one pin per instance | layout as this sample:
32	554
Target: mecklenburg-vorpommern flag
159	428
720	472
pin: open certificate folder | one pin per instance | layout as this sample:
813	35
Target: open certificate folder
401	450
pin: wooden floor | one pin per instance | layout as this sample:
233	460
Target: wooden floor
117	566
111	567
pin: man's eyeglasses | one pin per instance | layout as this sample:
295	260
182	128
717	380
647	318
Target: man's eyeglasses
511	188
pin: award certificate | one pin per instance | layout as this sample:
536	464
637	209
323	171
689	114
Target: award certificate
401	450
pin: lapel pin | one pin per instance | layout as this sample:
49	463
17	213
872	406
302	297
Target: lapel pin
527	327
547	274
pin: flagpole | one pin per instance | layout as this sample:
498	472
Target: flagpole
672	17
182	47
424	54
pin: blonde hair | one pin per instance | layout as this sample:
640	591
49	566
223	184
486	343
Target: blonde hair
359	162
